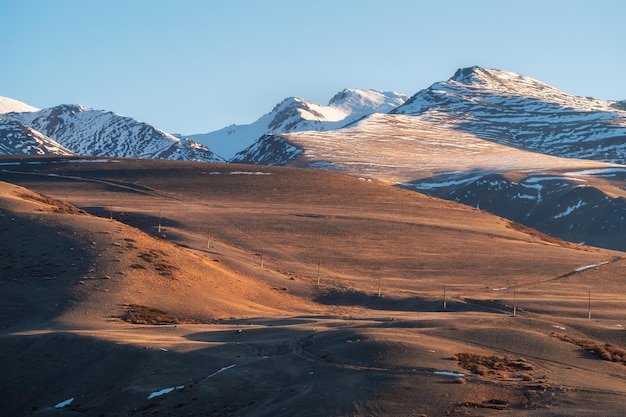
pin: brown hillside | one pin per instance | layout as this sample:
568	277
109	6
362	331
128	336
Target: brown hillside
168	288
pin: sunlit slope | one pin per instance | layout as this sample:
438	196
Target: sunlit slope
62	264
399	148
300	232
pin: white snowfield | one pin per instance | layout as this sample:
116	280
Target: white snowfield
399	148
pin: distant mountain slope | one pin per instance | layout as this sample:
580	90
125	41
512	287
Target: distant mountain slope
90	132
509	108
295	114
8	105
584	206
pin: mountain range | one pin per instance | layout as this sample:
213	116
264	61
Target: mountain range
496	140
84	131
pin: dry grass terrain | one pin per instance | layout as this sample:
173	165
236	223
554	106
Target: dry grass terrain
165	288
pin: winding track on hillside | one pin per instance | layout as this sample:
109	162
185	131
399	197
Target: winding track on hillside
122	185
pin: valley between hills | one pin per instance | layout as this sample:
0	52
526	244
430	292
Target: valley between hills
170	288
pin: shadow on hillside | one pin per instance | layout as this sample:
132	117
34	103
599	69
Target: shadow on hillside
41	267
417	304
145	222
231	378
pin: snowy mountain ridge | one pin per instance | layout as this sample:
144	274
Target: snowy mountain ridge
295	114
513	109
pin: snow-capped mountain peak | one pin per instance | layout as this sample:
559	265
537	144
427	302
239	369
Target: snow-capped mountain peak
9	105
492	87
363	102
294	110
492	78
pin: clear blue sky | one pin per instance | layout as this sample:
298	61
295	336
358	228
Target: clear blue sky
194	66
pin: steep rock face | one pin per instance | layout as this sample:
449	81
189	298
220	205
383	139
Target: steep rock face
16	138
268	150
91	132
516	110
295	114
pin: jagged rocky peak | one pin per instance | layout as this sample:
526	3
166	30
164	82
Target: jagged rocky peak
288	113
70	108
478	75
291	104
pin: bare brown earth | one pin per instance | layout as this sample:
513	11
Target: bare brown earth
259	291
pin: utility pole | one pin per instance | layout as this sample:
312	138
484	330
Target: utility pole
318	273
514	302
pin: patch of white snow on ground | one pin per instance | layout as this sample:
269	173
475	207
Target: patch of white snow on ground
64	403
447	373
570	209
221	370
164	391
598	171
249	173
238	173
431	185
584	268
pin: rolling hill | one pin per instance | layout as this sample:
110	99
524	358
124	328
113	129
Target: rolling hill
136	286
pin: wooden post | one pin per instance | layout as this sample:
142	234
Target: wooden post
159	229
445	302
